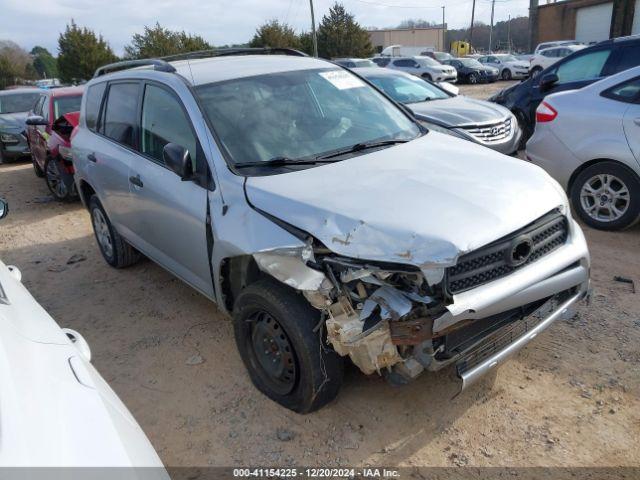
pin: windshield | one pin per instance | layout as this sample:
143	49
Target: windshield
428	61
365	63
299	114
18	102
408	89
441	56
63	105
470	62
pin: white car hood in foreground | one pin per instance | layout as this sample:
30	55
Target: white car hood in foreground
55	409
422	203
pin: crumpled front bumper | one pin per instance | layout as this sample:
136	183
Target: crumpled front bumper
561	278
492	351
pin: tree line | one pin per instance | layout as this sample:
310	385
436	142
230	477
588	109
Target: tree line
81	51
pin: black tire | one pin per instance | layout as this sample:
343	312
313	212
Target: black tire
36	168
309	374
121	254
612	177
60	183
506	74
535	71
427	76
472	78
526	129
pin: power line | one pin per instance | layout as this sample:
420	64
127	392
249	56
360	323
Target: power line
368	2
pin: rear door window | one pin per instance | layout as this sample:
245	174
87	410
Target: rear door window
121	112
628	92
629	57
584	67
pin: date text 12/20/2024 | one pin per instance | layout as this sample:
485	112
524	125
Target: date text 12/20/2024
368	472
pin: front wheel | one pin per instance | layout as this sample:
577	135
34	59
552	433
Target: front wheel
506	74
427	76
606	196
535	71
286	359
36	168
472	78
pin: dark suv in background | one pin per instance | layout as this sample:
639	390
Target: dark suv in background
578	70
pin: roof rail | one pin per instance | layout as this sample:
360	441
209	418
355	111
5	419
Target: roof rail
223	52
158	64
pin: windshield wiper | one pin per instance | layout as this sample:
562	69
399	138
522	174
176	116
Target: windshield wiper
358	147
278	162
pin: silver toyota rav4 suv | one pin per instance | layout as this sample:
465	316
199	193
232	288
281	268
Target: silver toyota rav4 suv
324	219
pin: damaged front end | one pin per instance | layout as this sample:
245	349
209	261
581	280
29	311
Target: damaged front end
380	315
398	320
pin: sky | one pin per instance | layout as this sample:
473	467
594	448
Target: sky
220	22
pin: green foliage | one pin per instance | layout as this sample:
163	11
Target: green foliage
157	41
81	52
306	43
275	34
15	64
45	64
339	35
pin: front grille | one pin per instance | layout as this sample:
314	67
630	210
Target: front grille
491	133
493	261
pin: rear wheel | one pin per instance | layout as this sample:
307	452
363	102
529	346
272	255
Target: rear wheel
506	74
606	196
286	359
59	184
115	250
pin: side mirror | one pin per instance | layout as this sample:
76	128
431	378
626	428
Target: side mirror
178	159
548	80
4	208
36	120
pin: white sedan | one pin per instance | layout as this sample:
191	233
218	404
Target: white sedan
509	66
55	408
547	57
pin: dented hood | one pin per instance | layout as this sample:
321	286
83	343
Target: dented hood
421	203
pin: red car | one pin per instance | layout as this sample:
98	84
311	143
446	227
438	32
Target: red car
49	128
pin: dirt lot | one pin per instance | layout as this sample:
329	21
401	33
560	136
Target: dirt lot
571	398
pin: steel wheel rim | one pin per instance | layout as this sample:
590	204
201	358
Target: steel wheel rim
55	181
273	353
605	198
103	233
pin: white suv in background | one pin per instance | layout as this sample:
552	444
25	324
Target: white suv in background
547	57
425	67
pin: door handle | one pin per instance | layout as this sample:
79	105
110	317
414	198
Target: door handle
637	121
92	158
137	181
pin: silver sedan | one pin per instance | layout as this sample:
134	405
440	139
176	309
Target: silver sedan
589	141
439	109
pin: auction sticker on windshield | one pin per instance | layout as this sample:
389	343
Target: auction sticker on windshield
342	80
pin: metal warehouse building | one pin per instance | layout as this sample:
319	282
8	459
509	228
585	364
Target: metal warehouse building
584	20
410	37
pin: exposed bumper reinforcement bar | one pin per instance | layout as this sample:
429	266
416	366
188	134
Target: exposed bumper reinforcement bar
470	375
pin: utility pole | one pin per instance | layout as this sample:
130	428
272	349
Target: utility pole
444	31
314	36
509	33
473	14
493	4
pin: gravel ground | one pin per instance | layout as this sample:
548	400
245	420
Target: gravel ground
570	398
